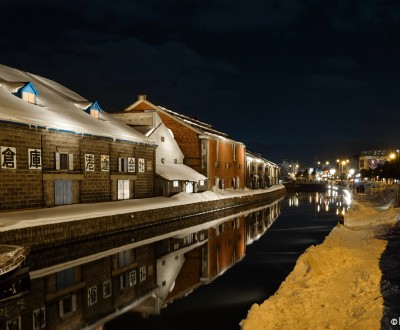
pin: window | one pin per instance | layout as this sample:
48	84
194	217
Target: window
175	183
29	97
125	258
122	164
94	113
141	165
14	324
162	160
123	281
162	139
94	110
39	318
64	161
67	305
201	182
65	278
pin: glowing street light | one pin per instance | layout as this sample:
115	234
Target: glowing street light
332	172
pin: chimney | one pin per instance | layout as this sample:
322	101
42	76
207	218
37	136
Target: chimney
142	97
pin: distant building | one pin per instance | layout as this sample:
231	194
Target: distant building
371	159
205	149
260	173
173	176
58	148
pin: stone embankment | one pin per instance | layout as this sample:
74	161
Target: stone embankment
53	232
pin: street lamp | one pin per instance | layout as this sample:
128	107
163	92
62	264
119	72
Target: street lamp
342	163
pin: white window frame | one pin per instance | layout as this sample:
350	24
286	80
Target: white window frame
95	113
29	97
70	161
16	319
175	183
122	164
38	322
73	305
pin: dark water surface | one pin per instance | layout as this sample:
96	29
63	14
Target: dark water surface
305	220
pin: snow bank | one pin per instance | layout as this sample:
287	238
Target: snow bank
336	285
37	217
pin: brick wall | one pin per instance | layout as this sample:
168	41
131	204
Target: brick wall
29	188
20	187
226	162
188	141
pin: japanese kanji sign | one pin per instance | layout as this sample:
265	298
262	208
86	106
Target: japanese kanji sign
34	159
89	162
8	157
105	163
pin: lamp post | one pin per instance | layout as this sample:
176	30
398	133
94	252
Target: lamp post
341	163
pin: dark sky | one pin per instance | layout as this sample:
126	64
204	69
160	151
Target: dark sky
290	79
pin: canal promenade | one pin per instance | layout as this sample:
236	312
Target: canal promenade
350	281
48	226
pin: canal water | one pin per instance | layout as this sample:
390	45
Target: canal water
200	272
305	219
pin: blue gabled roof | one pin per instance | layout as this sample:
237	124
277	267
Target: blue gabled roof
29	88
94	106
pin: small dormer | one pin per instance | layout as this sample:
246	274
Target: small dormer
28	93
94	110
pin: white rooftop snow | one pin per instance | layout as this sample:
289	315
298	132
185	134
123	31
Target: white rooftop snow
178	172
57	108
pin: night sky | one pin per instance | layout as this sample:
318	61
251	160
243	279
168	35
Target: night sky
302	80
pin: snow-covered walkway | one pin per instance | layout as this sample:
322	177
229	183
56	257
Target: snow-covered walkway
36	217
350	281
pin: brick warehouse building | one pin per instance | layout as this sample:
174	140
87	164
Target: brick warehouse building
207	150
59	148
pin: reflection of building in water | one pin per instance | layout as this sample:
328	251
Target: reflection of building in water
332	199
87	291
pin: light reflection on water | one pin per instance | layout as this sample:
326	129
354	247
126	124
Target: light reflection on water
267	263
332	199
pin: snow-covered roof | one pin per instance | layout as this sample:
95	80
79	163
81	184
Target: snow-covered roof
57	108
178	172
198	125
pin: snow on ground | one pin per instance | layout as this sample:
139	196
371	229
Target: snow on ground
350	281
36	217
